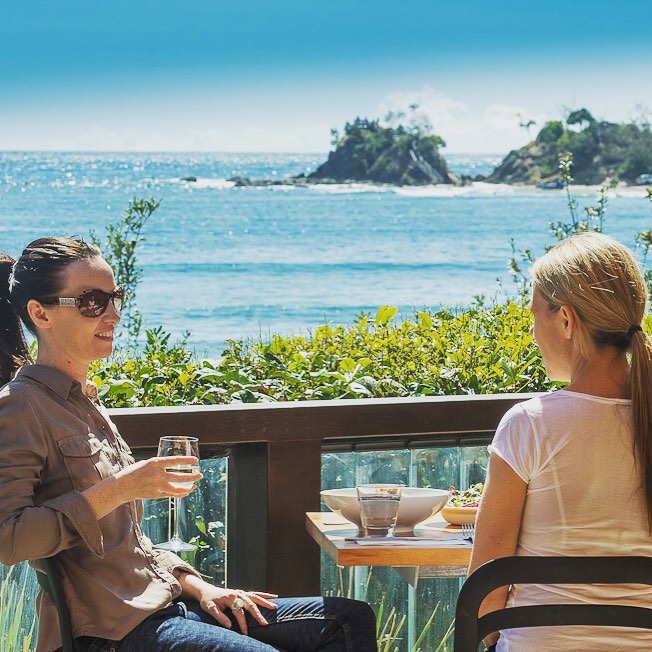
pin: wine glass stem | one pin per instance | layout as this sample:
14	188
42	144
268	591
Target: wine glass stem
177	502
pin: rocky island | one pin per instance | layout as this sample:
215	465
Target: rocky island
603	152
372	153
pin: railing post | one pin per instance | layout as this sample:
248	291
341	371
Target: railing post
270	488
246	517
294	480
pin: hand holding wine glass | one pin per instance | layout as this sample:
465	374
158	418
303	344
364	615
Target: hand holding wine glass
178	446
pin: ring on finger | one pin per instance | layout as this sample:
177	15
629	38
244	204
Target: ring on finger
238	604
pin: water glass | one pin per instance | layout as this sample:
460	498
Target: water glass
379	505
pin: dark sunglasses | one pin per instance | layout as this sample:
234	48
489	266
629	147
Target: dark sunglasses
91	303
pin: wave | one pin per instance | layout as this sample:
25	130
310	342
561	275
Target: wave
203	182
476	189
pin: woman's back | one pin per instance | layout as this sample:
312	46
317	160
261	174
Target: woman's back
584	497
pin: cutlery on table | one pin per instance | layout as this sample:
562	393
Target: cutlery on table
468	531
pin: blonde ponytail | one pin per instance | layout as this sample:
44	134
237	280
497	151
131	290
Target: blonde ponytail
640	377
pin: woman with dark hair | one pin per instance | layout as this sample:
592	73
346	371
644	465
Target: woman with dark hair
570	473
70	489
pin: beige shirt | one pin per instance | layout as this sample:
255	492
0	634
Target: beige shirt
56	440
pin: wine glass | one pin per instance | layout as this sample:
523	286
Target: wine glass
171	446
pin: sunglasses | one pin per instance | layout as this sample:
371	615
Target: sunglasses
91	303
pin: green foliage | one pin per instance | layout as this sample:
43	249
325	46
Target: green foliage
403	154
482	350
119	251
389	631
601	151
13	637
551	132
579	117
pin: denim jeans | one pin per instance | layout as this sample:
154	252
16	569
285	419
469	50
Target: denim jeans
298	625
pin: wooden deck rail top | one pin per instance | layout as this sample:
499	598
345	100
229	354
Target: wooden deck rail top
275	463
352	419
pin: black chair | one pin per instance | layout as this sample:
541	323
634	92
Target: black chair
470	630
48	578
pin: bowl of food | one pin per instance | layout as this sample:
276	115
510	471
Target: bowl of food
417	504
462	506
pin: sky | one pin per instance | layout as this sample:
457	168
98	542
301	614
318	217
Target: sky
262	76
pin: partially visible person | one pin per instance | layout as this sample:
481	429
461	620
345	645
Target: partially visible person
70	489
570	473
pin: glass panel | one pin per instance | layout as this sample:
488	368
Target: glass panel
202	520
473	467
383	466
404	611
435	467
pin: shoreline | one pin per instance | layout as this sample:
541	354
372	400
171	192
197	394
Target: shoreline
435	190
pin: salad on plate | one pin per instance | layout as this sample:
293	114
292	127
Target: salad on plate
468	498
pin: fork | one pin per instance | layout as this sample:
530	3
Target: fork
468	531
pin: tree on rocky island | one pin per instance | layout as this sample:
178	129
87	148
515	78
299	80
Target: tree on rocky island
405	155
602	151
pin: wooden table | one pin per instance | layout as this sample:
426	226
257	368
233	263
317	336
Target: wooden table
330	530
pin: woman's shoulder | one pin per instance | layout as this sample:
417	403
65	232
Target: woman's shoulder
534	408
16	395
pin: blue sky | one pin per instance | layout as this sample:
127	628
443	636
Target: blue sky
276	76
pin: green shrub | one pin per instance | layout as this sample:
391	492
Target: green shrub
482	350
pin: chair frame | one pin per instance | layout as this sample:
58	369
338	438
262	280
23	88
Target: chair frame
48	578
470	630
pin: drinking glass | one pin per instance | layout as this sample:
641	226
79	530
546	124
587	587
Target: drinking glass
171	446
378	508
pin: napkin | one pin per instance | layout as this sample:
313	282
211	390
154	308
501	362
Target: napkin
413	542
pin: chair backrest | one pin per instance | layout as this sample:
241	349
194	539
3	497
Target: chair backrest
48	578
470	630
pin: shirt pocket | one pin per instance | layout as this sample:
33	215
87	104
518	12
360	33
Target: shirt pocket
84	461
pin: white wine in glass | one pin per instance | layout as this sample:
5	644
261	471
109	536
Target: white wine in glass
174	446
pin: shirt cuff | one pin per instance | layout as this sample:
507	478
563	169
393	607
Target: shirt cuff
78	517
171	562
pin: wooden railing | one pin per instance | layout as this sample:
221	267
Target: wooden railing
275	464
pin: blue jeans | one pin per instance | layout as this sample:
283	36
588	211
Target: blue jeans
298	625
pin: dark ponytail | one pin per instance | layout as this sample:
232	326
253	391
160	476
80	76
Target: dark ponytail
14	351
37	274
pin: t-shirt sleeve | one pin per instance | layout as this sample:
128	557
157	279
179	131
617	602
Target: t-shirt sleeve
514	442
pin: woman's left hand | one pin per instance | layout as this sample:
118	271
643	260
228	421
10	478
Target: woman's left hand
215	601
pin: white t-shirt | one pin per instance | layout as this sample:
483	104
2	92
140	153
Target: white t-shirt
584	497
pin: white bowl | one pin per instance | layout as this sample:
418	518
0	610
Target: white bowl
417	504
459	515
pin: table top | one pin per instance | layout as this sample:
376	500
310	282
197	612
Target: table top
330	530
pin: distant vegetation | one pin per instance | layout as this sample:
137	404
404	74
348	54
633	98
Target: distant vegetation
399	155
601	152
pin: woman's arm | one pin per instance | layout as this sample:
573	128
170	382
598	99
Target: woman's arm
142	480
498	525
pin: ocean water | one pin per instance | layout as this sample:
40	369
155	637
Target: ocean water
224	262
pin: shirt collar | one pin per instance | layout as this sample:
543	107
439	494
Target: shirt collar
59	382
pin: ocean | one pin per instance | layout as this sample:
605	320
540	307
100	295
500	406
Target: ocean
229	263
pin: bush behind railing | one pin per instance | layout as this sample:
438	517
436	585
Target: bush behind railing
479	350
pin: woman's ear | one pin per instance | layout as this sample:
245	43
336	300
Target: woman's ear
567	318
39	314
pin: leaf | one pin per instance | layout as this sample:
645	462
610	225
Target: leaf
385	314
425	320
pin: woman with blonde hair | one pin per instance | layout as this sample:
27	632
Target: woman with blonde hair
570	473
